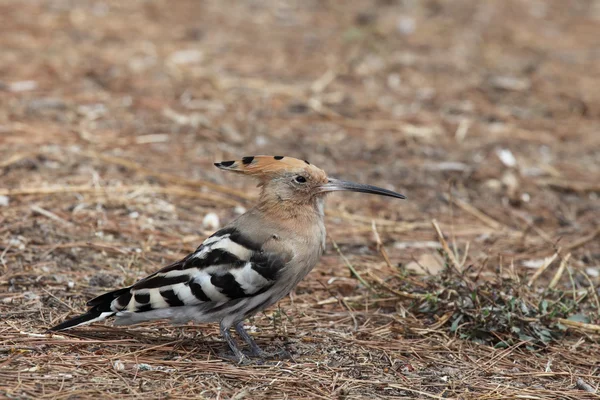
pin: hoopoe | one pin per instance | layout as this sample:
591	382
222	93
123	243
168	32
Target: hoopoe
246	266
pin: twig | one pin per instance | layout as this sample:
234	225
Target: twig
145	189
461	131
593	291
46	190
350	267
429	395
575	186
104	246
59	300
464	260
13	159
487	220
583	240
537	230
2	260
43	335
574	286
513	273
440	322
444	244
369	220
561	269
387	287
351	312
581	325
323	81
583	385
333	300
543	267
380	245
51	215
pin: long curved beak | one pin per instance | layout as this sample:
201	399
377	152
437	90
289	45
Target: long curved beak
334	185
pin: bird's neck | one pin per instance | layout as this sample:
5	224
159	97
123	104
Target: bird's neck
307	212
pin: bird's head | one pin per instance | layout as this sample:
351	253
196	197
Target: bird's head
296	181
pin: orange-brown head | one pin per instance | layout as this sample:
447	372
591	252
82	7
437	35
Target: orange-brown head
295	181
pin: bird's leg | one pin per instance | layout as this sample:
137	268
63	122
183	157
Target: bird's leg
254	349
241	358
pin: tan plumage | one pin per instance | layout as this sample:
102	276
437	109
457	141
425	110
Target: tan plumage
243	268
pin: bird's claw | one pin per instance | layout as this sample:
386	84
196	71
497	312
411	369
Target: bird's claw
249	357
241	360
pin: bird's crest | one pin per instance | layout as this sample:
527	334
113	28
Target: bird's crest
266	166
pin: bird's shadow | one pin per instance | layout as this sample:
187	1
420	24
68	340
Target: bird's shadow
177	344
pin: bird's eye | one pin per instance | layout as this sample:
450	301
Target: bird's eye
300	179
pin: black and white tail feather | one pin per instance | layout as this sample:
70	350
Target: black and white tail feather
206	286
101	309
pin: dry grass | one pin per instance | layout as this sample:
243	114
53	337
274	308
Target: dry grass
483	285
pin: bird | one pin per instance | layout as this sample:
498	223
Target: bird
243	268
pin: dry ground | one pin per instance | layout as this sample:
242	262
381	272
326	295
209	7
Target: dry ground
485	113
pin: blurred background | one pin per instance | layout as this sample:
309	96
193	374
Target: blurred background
486	114
498	100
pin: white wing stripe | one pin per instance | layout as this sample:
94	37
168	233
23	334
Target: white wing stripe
250	280
209	289
185	294
232	247
156	299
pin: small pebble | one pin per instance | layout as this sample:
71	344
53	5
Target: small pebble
593	272
507	157
118	365
510	83
182	57
17	242
239	210
211	221
4	200
261	141
406	25
23	86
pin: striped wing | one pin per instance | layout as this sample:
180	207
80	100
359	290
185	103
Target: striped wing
225	267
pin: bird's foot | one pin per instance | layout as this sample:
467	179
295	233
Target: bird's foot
241	359
256	351
252	357
237	356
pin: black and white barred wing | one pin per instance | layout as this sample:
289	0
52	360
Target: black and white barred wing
228	266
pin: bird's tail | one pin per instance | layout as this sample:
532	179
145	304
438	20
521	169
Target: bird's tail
102	308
